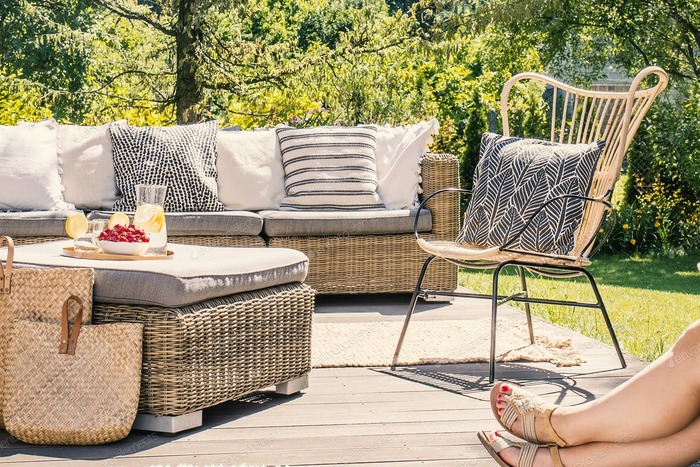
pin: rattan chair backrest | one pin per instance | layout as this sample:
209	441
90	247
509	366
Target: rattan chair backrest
578	115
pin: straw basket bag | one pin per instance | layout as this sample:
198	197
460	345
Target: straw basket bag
77	387
37	294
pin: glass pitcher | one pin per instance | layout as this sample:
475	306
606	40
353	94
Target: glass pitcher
150	217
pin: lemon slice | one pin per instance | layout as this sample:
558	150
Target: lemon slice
118	218
76	225
149	217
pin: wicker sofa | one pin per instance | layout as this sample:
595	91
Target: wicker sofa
350	253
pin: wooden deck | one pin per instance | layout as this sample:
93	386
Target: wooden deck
423	415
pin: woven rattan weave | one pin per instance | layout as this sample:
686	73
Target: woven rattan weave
38	295
86	398
218	350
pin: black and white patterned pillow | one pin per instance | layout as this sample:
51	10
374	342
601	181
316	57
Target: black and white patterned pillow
182	157
514	178
329	168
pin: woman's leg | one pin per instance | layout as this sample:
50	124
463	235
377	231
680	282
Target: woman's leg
662	399
679	449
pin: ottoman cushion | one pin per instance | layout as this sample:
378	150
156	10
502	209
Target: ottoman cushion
191	275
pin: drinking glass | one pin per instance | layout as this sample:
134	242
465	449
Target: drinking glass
150	217
88	241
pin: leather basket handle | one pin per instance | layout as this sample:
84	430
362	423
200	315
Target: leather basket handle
6	271
69	342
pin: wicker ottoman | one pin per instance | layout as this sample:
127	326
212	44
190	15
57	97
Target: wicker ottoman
196	355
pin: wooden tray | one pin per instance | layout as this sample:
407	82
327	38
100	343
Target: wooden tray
105	256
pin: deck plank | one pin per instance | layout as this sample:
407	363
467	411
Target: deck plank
422	415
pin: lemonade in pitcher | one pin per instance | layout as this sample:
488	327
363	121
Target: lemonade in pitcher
150	217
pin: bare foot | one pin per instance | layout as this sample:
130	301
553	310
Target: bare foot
505	392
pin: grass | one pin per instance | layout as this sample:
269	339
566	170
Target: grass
650	300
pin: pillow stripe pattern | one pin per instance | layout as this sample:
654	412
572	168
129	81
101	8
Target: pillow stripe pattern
182	157
514	178
329	168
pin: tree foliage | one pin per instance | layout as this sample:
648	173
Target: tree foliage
579	37
310	62
46	43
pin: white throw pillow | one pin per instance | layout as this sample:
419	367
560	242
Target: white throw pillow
399	152
29	169
88	166
250	174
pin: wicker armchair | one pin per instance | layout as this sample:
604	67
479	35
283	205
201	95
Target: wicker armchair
575	116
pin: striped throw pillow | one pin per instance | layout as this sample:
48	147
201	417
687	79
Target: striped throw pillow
329	168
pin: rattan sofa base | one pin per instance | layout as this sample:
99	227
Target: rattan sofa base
200	355
357	264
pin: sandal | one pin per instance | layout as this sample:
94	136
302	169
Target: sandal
527	451
527	407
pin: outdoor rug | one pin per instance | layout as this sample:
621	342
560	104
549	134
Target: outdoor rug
433	342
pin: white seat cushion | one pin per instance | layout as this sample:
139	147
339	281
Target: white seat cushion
321	223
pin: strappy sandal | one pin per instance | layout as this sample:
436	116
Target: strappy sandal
527	407
527	451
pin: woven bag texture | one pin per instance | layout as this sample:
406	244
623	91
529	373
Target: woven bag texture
38	295
87	398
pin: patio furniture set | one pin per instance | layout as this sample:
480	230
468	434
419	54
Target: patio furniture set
222	322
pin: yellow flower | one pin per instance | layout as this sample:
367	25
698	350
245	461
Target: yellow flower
656	224
633	241
625	226
601	230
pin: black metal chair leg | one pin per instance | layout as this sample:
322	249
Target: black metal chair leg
523	285
494	313
601	306
411	309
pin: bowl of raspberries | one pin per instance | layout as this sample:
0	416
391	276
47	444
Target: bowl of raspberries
121	240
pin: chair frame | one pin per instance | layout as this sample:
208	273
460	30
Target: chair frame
630	107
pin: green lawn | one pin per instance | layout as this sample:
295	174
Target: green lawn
650	300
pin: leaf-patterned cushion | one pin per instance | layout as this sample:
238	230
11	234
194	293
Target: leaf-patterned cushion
514	178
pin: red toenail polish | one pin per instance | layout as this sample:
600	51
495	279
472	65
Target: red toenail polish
505	387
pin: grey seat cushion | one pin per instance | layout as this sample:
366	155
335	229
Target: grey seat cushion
306	224
193	274
34	223
205	223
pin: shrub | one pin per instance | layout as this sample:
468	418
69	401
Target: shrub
660	210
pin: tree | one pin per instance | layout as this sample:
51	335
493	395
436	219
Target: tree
180	23
44	50
579	37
